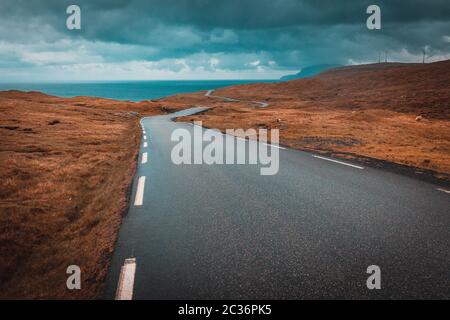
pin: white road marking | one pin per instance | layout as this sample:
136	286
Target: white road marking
340	162
139	199
145	137
126	280
443	190
266	144
145	145
144	158
273	146
243	139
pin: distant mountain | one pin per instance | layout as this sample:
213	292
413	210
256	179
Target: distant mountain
309	71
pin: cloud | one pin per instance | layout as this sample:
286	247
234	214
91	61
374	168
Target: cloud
224	36
213	38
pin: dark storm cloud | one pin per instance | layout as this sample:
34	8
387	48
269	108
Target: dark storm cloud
239	14
292	33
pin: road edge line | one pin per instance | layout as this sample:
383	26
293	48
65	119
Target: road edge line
443	190
340	162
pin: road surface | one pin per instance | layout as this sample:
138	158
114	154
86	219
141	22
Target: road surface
311	231
261	104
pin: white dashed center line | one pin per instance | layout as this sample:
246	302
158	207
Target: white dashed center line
144	157
126	280
139	199
145	145
340	162
145	137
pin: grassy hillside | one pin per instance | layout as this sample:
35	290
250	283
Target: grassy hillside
65	168
398	113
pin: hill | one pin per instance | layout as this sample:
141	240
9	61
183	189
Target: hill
309	71
397	114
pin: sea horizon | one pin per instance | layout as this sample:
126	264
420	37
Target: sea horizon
127	90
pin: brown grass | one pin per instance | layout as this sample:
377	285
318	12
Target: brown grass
66	164
65	168
364	111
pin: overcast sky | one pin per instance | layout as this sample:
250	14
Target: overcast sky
210	39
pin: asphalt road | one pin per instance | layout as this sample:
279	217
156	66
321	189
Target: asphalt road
226	232
261	104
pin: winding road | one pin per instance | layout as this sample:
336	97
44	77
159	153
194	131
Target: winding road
261	104
311	231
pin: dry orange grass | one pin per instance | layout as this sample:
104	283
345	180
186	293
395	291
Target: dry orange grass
364	111
65	168
66	164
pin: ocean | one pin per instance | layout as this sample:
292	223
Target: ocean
124	90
